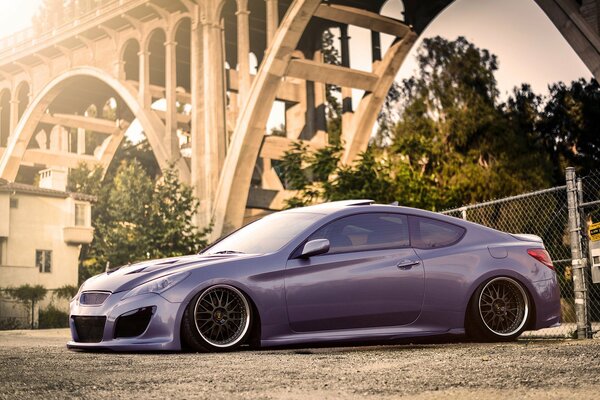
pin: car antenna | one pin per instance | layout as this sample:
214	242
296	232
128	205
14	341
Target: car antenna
394	203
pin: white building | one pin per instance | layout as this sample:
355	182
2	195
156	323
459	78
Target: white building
41	233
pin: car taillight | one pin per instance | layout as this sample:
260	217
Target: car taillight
542	256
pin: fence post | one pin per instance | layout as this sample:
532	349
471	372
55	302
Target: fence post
577	259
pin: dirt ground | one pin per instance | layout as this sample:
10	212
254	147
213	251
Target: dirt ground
37	365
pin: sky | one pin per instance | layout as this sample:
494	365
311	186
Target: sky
529	47
16	15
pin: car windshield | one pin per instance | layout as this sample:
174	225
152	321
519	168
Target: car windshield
266	235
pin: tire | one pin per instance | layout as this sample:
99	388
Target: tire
499	310
217	319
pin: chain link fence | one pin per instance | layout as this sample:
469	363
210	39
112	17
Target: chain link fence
545	213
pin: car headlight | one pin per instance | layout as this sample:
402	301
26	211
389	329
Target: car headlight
158	285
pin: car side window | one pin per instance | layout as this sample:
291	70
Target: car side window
427	233
362	232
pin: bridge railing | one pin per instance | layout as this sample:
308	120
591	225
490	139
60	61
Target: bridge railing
13	39
33	35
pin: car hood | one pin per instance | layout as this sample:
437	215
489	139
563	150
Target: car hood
128	277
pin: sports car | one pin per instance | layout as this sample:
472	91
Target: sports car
350	271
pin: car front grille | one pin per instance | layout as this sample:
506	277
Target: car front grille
89	329
93	298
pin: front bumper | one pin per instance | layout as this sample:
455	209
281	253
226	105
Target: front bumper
161	333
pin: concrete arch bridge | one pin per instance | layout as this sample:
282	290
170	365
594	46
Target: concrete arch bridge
201	77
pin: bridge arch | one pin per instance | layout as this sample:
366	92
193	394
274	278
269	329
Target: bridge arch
150	122
249	132
128	55
155	46
228	212
181	35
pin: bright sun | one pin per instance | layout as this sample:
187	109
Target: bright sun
16	15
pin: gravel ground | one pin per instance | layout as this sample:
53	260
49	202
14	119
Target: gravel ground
37	365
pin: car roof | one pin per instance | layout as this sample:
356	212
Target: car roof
333	206
363	205
347	207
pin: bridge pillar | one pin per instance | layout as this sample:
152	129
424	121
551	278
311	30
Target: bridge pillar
170	140
347	108
119	69
319	135
144	96
14	115
199	170
214	123
80	141
243	48
272	19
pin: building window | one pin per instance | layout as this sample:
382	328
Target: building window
14	203
43	260
80	214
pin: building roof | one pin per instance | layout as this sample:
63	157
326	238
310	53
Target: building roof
9	187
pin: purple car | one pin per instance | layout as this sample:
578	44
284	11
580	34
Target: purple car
349	271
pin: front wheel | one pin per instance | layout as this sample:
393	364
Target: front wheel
499	310
217	319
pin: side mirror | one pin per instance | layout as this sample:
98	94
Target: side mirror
314	248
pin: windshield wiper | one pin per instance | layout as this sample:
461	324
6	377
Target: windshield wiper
229	252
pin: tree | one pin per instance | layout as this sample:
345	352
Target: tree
453	144
388	116
569	126
137	217
141	152
453	130
29	295
378	175
171	228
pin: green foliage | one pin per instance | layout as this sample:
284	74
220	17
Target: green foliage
376	175
11	323
291	166
28	295
453	131
569	126
137	217
52	317
454	143
388	116
141	152
171	219
83	179
66	292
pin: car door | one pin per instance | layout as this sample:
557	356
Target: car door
369	278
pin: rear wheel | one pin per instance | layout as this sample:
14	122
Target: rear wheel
499	310
217	319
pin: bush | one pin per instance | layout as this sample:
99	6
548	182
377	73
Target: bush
52	317
11	323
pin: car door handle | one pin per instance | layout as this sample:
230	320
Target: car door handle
407	264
